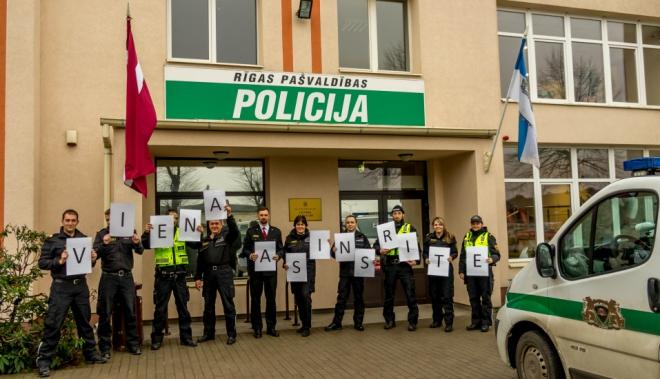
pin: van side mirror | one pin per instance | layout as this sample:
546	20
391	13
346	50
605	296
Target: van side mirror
545	266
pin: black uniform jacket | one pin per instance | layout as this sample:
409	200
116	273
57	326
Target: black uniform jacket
253	235
51	252
431	239
299	243
493	251
348	268
216	250
118	254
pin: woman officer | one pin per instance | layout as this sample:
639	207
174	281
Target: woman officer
441	288
298	242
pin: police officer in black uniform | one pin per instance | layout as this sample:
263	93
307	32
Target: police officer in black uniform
215	264
479	288
298	242
441	288
65	292
116	254
262	281
170	279
401	270
347	280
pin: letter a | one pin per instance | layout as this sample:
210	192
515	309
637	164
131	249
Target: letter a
265	256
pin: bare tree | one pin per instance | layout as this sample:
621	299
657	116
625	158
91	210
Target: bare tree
177	179
252	180
396	58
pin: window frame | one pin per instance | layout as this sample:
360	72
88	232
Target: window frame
372	26
212	48
594	221
567	40
573	181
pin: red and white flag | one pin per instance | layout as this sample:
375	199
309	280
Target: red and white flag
140	121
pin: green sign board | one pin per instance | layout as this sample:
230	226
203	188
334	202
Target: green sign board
214	94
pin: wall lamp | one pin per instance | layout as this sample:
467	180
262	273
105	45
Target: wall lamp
210	163
220	154
305	9
406	157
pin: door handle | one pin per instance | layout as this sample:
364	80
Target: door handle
653	286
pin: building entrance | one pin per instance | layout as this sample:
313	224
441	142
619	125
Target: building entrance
369	190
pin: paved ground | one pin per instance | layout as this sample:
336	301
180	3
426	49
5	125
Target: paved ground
374	353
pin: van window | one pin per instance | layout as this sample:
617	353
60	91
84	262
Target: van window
618	233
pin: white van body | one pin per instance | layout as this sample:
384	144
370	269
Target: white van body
596	313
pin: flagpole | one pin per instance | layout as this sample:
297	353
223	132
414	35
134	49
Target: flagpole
488	156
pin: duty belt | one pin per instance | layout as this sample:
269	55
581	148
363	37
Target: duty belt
218	267
75	282
391	259
118	272
169	274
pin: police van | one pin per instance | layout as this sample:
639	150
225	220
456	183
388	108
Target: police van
589	306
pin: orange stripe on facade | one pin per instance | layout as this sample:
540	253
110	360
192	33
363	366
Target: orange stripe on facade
3	67
287	36
317	64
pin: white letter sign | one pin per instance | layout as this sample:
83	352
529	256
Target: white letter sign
214	205
364	263
476	260
319	247
345	245
265	252
297	271
162	234
387	235
438	263
122	219
80	256
189	219
408	248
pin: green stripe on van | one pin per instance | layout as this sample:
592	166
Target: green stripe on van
639	321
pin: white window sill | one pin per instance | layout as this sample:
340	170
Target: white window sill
344	70
213	64
597	105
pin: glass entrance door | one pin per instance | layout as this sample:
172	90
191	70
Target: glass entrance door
369	190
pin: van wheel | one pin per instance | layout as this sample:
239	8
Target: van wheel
536	358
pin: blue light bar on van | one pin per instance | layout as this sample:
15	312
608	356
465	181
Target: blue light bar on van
643	166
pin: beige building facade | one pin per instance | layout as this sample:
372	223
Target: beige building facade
417	89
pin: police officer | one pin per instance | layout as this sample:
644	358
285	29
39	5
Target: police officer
401	270
116	254
65	292
215	264
298	242
171	263
479	288
441	289
347	280
265	281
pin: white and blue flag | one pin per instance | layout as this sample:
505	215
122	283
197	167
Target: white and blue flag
519	90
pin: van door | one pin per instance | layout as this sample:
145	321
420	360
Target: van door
602	321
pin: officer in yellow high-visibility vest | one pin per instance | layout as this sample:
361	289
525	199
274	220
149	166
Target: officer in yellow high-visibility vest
171	264
479	288
402	270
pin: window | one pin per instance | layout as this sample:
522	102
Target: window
373	34
651	46
213	31
180	185
538	201
582	60
616	234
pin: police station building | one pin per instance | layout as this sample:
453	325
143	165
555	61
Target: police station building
351	109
